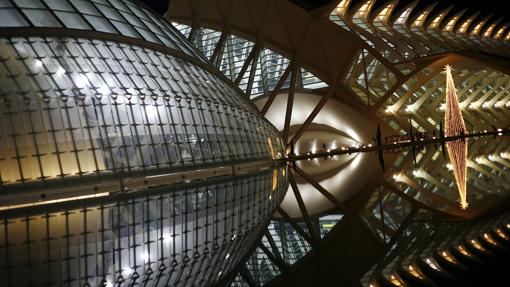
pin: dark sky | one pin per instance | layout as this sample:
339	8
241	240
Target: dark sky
159	6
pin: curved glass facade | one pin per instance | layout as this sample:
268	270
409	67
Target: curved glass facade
190	235
77	107
125	157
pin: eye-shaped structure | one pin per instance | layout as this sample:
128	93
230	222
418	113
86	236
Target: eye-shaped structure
113	129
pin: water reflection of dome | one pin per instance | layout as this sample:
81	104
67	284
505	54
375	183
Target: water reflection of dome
336	125
116	129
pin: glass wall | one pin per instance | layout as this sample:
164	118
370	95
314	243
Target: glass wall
123	17
81	107
94	106
188	235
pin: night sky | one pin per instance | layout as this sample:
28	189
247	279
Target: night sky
159	6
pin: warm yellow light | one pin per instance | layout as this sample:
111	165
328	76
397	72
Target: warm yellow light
420	19
415	272
465	25
477	28
384	14
403	17
448	257
275	179
476	244
489	239
489	30
451	23
363	10
395	281
457	150
54	201
270	143
436	21
463	251
342	7
501	234
499	33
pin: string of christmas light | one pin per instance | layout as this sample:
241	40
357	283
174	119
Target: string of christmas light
458	149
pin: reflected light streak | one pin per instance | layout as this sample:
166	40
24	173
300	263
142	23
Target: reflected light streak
54	201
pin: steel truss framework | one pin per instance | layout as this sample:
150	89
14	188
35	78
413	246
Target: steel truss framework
391	71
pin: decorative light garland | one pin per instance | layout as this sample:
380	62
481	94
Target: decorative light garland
458	149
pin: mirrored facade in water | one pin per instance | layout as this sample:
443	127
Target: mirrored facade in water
180	235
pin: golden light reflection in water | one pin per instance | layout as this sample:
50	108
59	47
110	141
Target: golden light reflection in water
275	179
270	143
458	149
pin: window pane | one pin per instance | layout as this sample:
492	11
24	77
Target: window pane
11	18
100	24
119	5
41	18
85	7
148	35
109	12
29	4
72	20
125	29
5	4
59	5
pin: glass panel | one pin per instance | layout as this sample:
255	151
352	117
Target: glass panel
5	4
125	29
29	4
119	239
41	18
85	7
59	5
100	24
109	12
72	20
11	18
104	16
90	112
